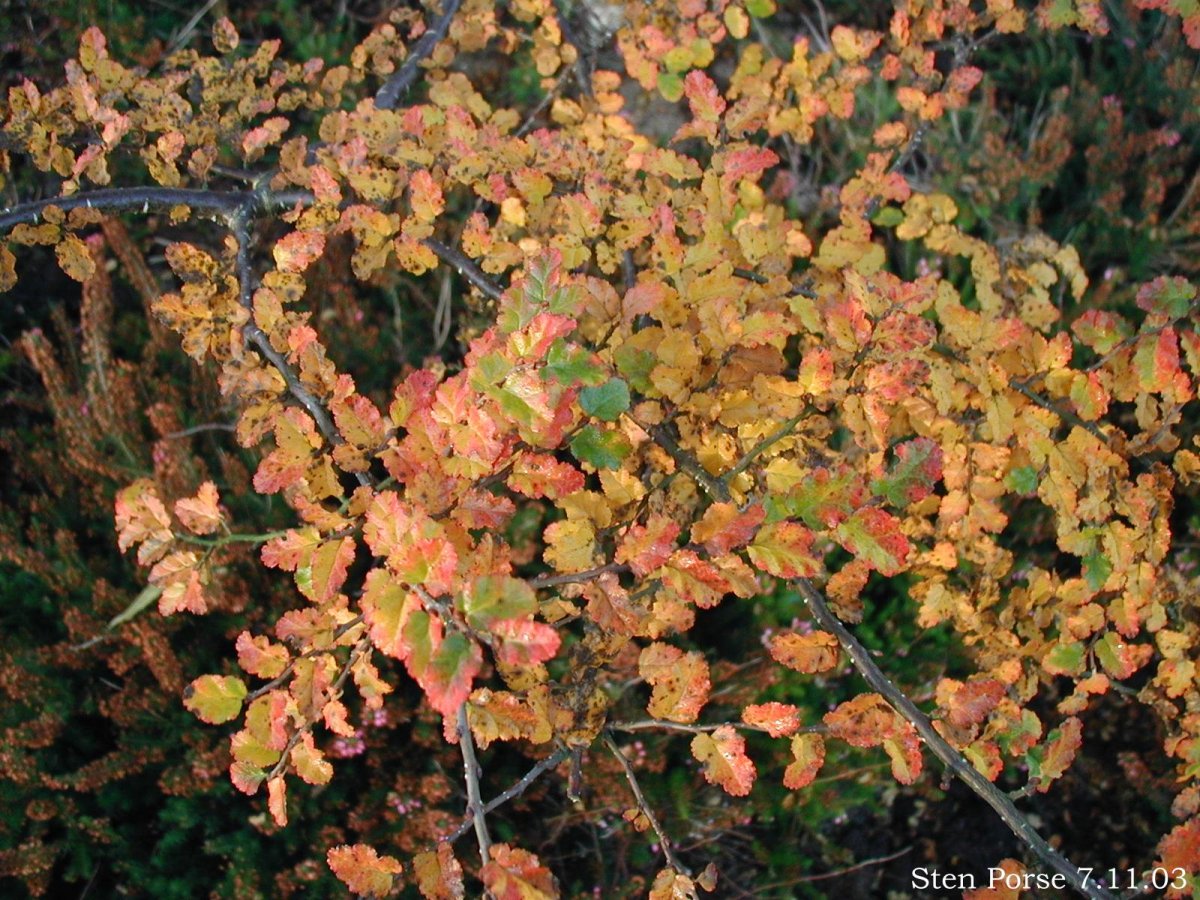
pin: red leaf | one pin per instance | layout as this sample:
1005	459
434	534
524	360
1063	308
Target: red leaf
865	721
723	528
525	642
646	547
873	535
778	719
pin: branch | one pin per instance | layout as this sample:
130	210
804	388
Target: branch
465	267
389	94
545	581
120	199
513	792
714	487
663	724
475	807
955	761
742	464
643	806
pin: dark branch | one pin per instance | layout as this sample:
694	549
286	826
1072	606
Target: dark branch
465	267
389	94
955	761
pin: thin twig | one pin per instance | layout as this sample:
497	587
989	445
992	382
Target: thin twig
389	94
512	793
954	760
475	809
545	581
778	435
665	725
644	806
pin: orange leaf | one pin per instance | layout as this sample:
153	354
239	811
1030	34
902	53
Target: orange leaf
680	681
865	721
777	719
808	653
515	874
363	870
725	761
808	753
439	874
200	514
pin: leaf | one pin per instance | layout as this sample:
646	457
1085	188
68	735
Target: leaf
808	755
1051	760
723	527
447	677
309	762
607	401
1120	658
439	874
387	605
644	548
969	704
74	258
525	642
723	753
672	885
491	598
865	721
784	549
917	467
1180	849
777	719
363	870
142	519
570	545
260	657
904	750
324	572
808	653
215	698
599	449
680	682
874	536
277	800
200	514
515	874
505	716
296	251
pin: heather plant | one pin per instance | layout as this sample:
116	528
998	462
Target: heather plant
522	430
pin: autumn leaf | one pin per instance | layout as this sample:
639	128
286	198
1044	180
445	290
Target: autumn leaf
296	251
215	698
439	874
200	514
259	656
309	762
680	682
784	549
810	653
808	755
672	885
865	721
724	527
723	753
363	870
776	719
515	874
874	536
645	548
917	467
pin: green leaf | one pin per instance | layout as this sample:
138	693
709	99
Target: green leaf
607	401
636	365
1065	659
760	9
215	698
492	598
452	668
888	217
1096	569
599	449
670	86
1023	480
569	364
874	536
